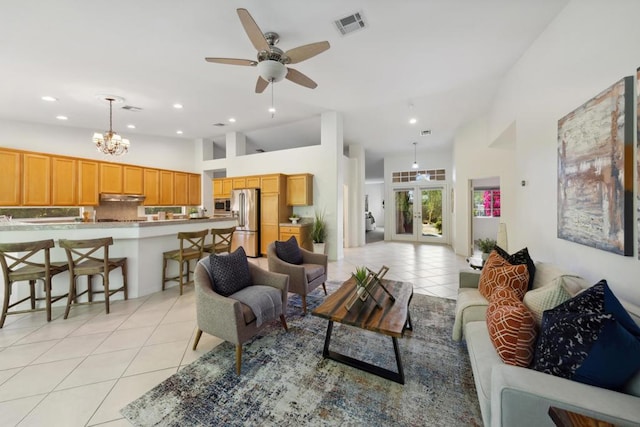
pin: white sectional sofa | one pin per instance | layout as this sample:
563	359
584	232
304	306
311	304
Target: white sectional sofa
515	396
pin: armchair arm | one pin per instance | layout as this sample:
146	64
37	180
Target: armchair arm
469	279
522	397
295	272
270	278
216	315
309	257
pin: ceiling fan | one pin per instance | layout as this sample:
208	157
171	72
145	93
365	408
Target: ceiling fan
272	61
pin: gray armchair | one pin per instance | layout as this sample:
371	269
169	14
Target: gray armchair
303	278
228	318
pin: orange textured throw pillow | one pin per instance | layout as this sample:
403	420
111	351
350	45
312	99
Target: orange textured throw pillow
512	330
498	273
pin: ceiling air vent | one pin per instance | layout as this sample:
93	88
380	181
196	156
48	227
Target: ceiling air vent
425	132
351	23
132	108
219	124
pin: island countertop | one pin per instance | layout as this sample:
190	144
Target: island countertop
142	243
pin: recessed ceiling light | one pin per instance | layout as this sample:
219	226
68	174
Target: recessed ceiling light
413	120
49	98
232	120
179	132
272	110
131	126
177	106
62	117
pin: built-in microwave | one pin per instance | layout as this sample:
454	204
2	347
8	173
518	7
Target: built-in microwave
222	205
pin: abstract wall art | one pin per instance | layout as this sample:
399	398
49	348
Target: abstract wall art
595	171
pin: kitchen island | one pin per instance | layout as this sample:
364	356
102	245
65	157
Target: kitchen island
141	242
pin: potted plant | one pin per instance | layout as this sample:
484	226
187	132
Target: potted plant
193	213
361	278
486	246
319	233
294	218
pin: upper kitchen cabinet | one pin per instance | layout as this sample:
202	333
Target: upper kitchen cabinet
11	167
151	187
180	188
300	189
88	183
195	192
133	177
64	181
253	182
36	180
166	188
227	186
239	182
217	188
275	183
111	178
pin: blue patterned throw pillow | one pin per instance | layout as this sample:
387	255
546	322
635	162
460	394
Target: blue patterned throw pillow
590	339
230	273
289	251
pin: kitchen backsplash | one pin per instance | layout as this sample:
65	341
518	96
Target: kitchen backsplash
117	210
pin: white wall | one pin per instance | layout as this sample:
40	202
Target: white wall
145	150
589	46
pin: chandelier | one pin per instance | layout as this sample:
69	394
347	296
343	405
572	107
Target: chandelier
110	142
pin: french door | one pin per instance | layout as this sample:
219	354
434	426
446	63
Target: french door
420	214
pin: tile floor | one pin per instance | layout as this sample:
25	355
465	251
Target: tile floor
83	370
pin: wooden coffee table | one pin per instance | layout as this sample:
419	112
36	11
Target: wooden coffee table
392	320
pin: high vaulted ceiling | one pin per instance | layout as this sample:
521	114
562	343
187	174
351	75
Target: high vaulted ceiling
445	57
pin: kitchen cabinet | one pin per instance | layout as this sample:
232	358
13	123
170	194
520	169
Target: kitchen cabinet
273	208
195	193
227	186
180	189
302	233
300	189
239	182
133	179
111	178
151	187
252	182
88	183
36	179
166	188
64	181
11	167
217	188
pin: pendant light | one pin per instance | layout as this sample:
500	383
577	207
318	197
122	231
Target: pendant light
110	142
415	161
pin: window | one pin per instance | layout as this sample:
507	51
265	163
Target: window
41	212
155	209
421	175
486	202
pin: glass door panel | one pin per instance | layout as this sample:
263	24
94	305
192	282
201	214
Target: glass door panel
431	215
403	214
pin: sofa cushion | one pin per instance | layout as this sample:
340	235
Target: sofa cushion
289	251
229	272
546	298
470	307
518	258
512	330
497	272
591	339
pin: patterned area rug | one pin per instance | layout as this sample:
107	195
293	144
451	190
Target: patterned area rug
286	382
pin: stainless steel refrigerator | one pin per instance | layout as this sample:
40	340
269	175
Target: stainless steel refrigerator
245	205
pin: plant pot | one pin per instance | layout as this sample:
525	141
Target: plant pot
294	220
319	248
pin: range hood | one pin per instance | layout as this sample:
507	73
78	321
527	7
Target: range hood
111	197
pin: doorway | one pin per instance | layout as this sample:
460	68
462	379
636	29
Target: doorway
419	214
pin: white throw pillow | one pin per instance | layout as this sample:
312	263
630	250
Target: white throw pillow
546	298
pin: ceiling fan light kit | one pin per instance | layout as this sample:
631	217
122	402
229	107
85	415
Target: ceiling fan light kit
272	61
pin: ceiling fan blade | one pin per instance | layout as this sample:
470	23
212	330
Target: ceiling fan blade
232	61
261	85
299	78
253	31
301	53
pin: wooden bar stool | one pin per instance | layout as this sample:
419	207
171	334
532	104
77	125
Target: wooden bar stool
91	258
191	248
16	268
221	240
